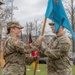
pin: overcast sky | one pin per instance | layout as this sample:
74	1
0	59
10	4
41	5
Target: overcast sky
29	10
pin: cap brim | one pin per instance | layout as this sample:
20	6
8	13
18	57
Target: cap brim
21	27
51	23
1	3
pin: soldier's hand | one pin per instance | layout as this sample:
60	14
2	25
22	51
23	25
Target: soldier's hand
32	46
38	53
36	57
40	39
43	45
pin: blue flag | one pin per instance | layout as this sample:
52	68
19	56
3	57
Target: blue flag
56	12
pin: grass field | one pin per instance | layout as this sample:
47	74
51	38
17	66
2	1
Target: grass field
43	70
0	71
73	70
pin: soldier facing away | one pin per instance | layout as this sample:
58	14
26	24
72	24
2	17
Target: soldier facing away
57	52
15	51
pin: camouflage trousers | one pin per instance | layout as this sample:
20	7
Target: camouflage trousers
13	69
62	72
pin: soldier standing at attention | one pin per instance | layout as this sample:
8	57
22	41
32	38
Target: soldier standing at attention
15	50
57	52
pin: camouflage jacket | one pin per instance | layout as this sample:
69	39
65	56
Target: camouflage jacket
57	51
15	51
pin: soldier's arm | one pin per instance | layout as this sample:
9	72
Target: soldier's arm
60	51
22	47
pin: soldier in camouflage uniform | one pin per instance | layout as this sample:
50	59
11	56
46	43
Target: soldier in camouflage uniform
15	51
57	52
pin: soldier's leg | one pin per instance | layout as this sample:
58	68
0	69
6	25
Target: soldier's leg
25	71
13	69
62	72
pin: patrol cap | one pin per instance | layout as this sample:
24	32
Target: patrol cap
14	24
51	23
1	2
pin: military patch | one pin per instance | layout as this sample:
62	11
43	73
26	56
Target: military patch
20	44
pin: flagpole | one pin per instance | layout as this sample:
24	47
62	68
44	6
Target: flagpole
38	70
44	25
43	29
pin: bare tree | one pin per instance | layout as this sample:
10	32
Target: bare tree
33	28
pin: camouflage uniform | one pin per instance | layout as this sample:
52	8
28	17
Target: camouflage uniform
57	51
15	56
